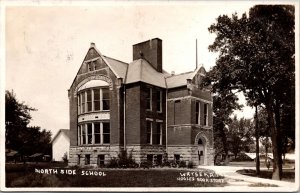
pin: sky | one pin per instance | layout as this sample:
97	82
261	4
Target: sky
45	45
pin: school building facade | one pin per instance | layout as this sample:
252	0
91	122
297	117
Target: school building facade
138	107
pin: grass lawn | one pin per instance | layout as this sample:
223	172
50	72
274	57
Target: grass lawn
288	174
19	175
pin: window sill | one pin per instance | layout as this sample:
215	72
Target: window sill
92	112
93	145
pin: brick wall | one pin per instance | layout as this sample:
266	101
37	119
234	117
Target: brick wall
153	114
133	114
115	112
152	52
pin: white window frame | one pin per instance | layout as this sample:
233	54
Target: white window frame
160	130
199	112
150	99
205	113
90	66
151	130
101	99
83	107
160	101
78	105
84	126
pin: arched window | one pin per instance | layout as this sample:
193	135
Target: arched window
93	96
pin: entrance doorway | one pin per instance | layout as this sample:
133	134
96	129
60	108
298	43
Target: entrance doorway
201	152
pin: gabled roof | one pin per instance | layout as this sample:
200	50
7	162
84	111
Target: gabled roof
178	80
63	131
141	70
117	66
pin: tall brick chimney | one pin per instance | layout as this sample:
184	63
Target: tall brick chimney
150	50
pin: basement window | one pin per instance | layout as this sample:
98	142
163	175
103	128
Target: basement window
100	160
87	159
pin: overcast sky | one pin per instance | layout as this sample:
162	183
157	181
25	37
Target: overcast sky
45	45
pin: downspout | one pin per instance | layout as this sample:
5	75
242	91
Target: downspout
124	109
166	120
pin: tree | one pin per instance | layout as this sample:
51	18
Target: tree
225	102
19	135
17	117
239	133
257	57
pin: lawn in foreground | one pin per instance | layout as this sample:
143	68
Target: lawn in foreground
162	177
287	174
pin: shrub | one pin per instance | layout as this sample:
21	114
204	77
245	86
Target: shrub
65	157
113	163
173	164
126	161
182	164
123	161
190	164
166	163
146	164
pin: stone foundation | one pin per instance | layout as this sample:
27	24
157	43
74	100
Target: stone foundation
189	153
109	151
139	153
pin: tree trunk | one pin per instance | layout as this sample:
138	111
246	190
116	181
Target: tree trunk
257	143
277	160
224	141
279	134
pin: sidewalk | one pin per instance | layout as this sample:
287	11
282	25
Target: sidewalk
237	179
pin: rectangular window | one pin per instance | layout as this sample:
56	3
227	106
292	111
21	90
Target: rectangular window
100	160
94	65
159	159
159	101
79	104
90	66
87	159
106	133
89	100
83	130
97	133
82	102
198	113
79	135
89	133
105	99
78	159
150	158
96	99
149	98
177	112
206	114
159	133
149	132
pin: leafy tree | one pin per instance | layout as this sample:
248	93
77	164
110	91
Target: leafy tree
257	57
225	103
240	132
17	117
19	135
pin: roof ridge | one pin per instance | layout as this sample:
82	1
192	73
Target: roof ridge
114	59
183	73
